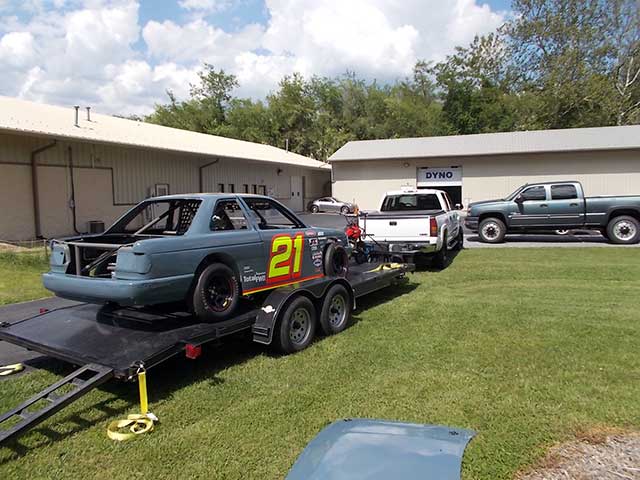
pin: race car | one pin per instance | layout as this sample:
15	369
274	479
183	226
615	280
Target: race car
207	250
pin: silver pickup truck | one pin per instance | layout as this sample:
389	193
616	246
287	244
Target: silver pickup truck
415	225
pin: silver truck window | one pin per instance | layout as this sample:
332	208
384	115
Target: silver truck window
227	215
563	192
411	201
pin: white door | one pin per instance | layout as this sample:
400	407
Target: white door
297	200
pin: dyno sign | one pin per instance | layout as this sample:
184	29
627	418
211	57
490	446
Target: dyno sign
429	176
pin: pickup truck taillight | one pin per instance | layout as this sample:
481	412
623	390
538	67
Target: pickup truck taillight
433	227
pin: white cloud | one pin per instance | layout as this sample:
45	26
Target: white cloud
97	52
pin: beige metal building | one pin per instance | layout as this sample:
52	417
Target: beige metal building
481	167
58	174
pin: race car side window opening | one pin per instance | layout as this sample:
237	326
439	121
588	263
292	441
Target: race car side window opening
227	215
397	203
271	216
162	217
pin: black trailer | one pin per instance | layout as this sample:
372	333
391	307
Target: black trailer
116	342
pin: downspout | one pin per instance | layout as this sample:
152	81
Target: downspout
200	179
72	202
34	187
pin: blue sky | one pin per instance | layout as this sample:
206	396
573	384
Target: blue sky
122	55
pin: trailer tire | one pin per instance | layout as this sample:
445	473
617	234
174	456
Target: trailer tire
336	261
336	310
624	230
296	326
216	294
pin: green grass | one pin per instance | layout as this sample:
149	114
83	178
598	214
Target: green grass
525	346
20	276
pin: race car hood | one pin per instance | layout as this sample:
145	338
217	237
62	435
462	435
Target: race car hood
354	449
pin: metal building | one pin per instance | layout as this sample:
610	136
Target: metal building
62	168
487	166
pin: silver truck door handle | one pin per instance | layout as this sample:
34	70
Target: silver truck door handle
543	205
573	204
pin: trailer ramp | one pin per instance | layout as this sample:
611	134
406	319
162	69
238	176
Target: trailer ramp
55	397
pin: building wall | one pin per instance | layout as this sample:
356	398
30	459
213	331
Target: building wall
108	180
483	178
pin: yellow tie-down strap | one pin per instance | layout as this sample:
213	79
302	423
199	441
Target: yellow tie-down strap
386	266
11	369
138	423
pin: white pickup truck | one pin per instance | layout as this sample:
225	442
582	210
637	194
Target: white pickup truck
415	225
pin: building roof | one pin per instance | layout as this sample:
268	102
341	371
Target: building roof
536	141
20	116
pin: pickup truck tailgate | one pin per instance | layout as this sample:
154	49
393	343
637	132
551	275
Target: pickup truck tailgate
401	227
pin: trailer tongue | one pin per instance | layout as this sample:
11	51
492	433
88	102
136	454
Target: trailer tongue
108	342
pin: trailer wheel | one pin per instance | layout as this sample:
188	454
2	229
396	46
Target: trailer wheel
624	229
336	310
336	261
296	326
216	294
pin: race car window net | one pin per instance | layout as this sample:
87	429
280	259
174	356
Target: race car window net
271	216
399	203
161	217
227	215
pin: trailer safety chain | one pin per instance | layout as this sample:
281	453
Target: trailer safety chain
137	423
11	369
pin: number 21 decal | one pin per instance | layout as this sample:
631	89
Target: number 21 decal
285	259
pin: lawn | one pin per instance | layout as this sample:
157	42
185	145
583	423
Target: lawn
20	276
525	346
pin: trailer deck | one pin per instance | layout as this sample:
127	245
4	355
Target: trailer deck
107	341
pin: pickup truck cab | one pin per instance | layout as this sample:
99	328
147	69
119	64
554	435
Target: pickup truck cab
556	206
413	224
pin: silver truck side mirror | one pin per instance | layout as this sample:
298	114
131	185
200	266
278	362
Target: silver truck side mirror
458	206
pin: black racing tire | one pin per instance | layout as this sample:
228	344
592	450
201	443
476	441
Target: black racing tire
216	294
336	261
314	209
442	258
335	313
344	210
624	230
492	230
296	325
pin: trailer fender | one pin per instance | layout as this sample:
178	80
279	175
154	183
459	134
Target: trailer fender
276	301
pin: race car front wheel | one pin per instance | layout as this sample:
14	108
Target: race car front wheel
336	261
216	294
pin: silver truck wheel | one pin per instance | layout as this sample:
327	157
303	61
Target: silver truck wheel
492	230
624	230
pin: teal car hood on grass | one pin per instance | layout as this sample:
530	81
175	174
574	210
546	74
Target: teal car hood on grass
354	449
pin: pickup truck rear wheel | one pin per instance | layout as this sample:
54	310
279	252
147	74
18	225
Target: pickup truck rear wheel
624	230
442	258
492	230
296	326
216	294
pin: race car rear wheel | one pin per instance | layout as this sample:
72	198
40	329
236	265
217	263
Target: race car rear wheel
216	294
336	261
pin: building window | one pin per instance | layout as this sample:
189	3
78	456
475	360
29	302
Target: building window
221	187
245	188
254	188
232	188
262	189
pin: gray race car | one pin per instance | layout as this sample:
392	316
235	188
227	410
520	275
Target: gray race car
205	249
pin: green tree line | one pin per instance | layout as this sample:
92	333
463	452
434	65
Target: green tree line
554	64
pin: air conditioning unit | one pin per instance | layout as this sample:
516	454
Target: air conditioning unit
95	226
